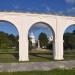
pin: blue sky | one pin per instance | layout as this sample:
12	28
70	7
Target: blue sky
40	27
61	7
70	28
65	7
8	28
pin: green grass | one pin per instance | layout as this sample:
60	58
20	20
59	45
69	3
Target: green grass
40	55
34	56
52	72
8	50
47	56
8	57
40	51
69	55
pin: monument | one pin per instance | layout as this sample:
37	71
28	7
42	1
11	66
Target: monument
33	40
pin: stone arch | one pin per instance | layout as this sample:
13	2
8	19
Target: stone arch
52	31
68	47
16	28
44	24
6	21
66	27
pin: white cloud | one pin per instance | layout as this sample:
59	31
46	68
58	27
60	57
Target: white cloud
59	13
72	10
15	6
70	1
48	9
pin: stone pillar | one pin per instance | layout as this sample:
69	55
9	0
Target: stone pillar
38	44
58	53
23	46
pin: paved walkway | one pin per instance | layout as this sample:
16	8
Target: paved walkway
30	66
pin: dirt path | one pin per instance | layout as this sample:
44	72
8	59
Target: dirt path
30	66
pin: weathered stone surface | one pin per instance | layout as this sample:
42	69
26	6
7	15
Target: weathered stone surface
31	66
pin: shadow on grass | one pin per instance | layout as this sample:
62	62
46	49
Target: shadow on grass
9	57
42	55
16	55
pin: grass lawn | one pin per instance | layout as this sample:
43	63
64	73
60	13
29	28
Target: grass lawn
34	56
8	55
69	55
9	50
40	55
52	72
8	58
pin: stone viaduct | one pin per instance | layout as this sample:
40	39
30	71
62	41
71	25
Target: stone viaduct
24	21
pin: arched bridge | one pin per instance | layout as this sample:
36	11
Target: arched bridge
24	21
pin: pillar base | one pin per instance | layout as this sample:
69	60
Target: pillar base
22	59
58	58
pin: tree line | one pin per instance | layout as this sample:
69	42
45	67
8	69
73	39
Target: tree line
43	40
68	41
8	41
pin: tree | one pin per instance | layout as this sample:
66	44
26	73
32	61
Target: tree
8	41
73	32
43	40
69	40
13	39
4	41
30	43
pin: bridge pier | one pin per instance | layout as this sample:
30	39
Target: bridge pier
58	52
23	46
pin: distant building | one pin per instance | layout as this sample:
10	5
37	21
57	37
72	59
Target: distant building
50	39
38	45
32	36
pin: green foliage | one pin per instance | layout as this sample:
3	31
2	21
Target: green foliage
43	40
73	31
8	41
69	40
51	72
30	43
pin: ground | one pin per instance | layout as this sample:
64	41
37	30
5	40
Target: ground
40	60
41	55
52	72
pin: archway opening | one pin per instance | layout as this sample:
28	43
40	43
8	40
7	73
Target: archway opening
41	42
69	43
9	42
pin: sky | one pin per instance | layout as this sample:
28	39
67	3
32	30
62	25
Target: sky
70	29
40	28
8	28
63	7
60	7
